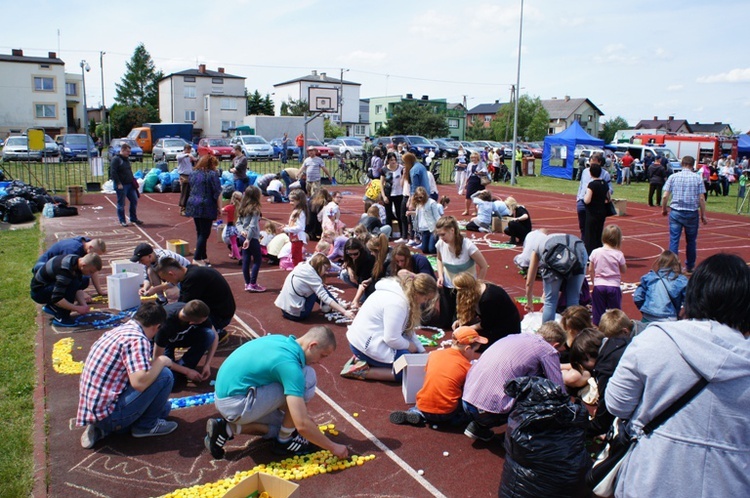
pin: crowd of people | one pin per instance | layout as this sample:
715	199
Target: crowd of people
698	326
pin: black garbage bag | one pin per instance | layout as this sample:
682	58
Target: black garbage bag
16	210
176	186
163	166
545	442
227	191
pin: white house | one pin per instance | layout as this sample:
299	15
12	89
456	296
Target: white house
297	89
213	101
35	92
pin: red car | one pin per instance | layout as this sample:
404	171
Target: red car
218	147
323	151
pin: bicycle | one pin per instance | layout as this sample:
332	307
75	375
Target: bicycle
350	172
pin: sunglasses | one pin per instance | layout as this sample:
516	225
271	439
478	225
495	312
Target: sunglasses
353	254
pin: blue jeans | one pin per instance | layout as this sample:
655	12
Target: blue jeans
552	285
277	197
483	418
241	184
140	410
286	179
197	341
379	364
130	193
428	242
252	253
307	310
687	220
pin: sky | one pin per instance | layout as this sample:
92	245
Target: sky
635	59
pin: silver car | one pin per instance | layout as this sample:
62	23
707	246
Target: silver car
166	149
346	147
254	146
16	148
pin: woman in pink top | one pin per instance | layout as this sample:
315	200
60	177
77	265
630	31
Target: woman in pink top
606	266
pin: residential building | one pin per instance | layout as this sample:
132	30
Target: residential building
717	128
670	125
35	92
563	112
213	101
362	129
483	113
381	108
455	114
347	115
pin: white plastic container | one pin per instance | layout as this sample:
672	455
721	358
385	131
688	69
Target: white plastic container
122	289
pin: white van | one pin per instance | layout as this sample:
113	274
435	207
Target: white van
639	152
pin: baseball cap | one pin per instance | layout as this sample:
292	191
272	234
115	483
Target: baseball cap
467	335
141	250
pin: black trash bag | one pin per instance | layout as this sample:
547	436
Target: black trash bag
176	186
545	442
163	166
19	189
17	210
61	210
227	191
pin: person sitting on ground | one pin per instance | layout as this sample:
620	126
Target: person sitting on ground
378	247
262	182
80	246
203	283
513	356
316	212
59	284
331	215
358	262
661	291
383	330
439	399
482	222
276	190
304	287
264	387
573	320
149	256
187	327
519	222
121	389
373	224
403	259
599	352
486	308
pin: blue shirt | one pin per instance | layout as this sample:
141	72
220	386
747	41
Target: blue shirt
500	209
686	188
418	178
63	248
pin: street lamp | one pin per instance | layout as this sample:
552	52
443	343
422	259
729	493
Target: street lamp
515	113
84	69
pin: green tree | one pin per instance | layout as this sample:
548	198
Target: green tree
477	131
125	118
331	130
412	118
257	105
610	127
294	107
533	120
139	85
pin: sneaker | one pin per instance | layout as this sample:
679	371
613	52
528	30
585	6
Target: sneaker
162	428
406	417
248	288
484	230
182	212
162	300
137	222
64	321
399	241
256	288
412	243
216	437
49	309
123	224
223	336
296	445
325	308
91	434
355	369
476	431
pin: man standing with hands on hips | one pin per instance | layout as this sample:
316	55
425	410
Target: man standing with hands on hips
685	189
125	185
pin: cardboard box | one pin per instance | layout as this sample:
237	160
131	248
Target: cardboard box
621	206
122	289
413	377
125	265
499	224
276	487
178	246
75	195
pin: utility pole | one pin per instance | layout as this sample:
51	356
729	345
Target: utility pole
103	110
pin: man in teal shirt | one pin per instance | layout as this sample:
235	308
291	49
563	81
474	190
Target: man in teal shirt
263	388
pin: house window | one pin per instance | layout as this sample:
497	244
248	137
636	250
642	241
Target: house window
228	105
359	129
42	84
378	109
378	126
227	125
452	123
591	118
550	131
217	81
44	66
189	116
71	89
189	92
46	111
205	103
577	117
189	79
488	119
217	89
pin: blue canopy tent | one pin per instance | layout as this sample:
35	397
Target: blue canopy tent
743	145
558	158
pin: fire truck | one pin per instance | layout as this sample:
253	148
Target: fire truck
701	147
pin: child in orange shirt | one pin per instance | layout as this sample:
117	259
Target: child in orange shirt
439	400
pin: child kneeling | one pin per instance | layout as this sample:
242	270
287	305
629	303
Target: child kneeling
439	400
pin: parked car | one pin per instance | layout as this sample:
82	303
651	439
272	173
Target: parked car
16	148
323	151
136	153
470	147
218	147
446	148
73	146
536	148
346	147
417	145
254	146
166	149
50	147
291	149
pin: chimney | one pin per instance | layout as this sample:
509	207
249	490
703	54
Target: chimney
425	97
554	98
221	70
314	72
202	68
567	98
715	122
18	52
52	55
671	118
409	96
497	101
656	118
322	76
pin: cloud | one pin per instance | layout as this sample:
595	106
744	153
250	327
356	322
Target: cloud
732	76
616	54
662	54
675	88
363	58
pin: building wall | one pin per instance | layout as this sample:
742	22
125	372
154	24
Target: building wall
298	90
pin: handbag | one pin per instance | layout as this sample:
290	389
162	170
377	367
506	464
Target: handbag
484	179
602	477
611	211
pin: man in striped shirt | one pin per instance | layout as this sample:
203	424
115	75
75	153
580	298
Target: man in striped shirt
121	389
517	355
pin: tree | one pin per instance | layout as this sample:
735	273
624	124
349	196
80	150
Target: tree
331	130
294	107
139	85
411	118
533	120
257	105
125	118
610	127
477	131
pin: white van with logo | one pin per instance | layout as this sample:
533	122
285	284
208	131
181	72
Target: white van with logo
639	153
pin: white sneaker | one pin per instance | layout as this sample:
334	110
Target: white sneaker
91	434
399	241
484	230
412	243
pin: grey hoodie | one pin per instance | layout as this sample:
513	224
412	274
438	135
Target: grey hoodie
704	449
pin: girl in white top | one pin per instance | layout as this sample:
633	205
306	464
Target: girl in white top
296	226
331	216
383	330
461	169
456	253
426	215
